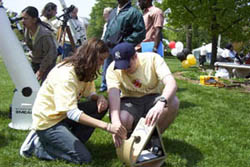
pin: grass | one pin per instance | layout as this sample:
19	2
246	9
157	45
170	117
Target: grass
212	128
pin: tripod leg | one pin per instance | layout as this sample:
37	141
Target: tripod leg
60	40
71	38
59	35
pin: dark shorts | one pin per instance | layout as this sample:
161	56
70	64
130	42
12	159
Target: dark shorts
138	106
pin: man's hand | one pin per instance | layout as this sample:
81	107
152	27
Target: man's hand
118	130
118	137
102	103
117	140
154	113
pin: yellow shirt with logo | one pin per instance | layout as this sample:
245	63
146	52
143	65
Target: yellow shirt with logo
147	78
59	93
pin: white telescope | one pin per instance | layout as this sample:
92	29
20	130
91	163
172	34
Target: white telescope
21	74
78	33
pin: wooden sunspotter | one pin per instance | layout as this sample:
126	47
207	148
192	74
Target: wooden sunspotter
133	152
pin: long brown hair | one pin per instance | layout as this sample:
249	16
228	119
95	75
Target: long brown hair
85	60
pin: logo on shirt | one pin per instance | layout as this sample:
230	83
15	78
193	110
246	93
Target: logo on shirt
137	83
117	55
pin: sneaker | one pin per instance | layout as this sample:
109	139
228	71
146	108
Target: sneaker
156	151
154	146
28	145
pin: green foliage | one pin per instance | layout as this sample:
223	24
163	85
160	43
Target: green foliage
208	19
230	18
96	23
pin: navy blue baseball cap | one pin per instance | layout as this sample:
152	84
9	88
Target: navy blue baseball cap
122	54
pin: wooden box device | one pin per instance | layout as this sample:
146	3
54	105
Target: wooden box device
137	150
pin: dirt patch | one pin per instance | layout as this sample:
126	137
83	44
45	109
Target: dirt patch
179	75
243	86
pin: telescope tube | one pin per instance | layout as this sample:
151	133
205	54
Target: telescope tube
14	58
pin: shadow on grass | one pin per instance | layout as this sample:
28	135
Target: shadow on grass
185	104
181	89
97	150
4	114
169	57
3	140
191	154
102	154
7	136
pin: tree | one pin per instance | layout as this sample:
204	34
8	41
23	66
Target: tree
96	23
229	18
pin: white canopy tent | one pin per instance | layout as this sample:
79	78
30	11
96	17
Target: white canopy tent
196	52
209	49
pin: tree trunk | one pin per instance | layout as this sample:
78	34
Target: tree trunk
189	37
214	32
214	50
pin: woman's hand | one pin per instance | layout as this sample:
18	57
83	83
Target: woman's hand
102	103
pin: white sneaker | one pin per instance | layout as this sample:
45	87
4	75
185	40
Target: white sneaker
28	145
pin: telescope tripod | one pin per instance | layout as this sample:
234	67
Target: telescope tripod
61	33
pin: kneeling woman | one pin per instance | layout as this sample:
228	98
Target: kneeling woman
61	125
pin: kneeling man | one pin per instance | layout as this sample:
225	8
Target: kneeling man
140	85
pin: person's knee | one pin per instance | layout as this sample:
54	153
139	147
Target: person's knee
176	103
173	105
126	120
86	159
79	154
82	158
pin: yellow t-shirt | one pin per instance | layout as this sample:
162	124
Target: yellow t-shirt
59	94
147	78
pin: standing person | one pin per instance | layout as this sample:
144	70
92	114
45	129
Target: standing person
39	38
154	19
140	85
49	16
61	125
78	32
125	25
106	12
203	54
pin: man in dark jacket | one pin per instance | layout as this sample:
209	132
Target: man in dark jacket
125	24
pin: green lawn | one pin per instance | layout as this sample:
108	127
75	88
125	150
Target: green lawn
211	130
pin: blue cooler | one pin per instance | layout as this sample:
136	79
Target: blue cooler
148	47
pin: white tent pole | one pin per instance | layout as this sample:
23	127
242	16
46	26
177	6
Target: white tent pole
219	39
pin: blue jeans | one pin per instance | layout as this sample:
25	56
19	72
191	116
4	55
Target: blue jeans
106	64
66	139
67	50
